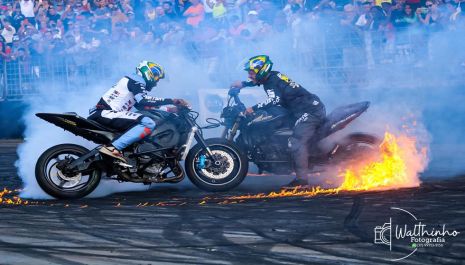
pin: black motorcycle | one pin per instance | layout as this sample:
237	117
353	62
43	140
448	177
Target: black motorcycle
264	136
71	171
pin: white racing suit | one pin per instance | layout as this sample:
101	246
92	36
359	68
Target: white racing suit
113	110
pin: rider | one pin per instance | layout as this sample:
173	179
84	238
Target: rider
114	108
305	107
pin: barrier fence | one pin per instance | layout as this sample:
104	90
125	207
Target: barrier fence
345	62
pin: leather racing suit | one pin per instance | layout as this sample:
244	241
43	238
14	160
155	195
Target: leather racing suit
306	108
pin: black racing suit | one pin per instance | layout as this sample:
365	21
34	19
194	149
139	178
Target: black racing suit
305	107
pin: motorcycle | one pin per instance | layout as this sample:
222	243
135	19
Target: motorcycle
69	171
264	136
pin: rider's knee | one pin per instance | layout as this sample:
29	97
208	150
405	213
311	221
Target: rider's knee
293	144
148	123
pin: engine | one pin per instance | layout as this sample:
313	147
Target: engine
272	155
151	168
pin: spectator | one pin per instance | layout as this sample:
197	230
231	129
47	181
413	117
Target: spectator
255	28
102	15
8	31
125	6
170	11
181	6
86	7
117	18
4	50
17	17
195	13
430	16
52	14
160	15
28	9
149	14
406	19
365	19
218	9
59	7
131	20
208	11
235	26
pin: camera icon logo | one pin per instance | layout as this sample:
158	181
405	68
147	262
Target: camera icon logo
383	234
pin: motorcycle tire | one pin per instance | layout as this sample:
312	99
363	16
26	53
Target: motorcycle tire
358	146
225	173
47	174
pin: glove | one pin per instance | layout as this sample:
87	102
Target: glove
180	102
234	91
237	84
172	109
249	111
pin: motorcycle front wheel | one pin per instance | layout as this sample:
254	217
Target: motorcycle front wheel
226	170
58	184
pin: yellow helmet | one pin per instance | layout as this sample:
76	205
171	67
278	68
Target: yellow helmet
260	64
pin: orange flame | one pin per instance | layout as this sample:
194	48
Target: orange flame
14	200
397	167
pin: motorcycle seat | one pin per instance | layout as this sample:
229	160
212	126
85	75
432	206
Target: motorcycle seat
103	127
92	122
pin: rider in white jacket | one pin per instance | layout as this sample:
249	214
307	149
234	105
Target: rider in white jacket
114	108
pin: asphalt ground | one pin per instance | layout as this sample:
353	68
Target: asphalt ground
179	224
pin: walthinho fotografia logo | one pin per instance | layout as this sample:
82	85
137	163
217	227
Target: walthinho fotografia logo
412	233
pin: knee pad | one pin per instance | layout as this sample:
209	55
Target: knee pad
148	123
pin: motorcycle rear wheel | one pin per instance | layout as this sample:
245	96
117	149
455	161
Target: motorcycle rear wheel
59	185
357	147
228	172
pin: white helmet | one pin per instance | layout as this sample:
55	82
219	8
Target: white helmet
151	72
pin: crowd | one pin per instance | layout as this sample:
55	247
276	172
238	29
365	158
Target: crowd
360	32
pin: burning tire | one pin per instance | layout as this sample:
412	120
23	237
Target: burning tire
226	171
356	147
63	185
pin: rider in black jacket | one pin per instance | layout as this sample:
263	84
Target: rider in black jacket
306	108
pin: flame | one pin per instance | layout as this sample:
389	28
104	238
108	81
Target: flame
398	167
14	200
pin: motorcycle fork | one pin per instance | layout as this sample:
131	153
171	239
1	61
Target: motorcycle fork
194	133
204	145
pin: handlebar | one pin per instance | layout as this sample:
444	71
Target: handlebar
234	94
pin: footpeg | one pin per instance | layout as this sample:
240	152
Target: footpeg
123	164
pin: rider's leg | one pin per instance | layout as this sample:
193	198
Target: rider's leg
137	125
304	130
136	133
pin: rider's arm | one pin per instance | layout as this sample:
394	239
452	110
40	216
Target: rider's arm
141	97
274	98
147	101
278	83
248	83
